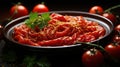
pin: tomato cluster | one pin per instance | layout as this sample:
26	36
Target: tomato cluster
19	10
95	57
99	10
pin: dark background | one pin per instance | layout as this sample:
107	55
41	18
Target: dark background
54	5
61	4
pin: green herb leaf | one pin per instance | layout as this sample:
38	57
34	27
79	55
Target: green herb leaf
29	61
45	16
36	20
43	62
33	17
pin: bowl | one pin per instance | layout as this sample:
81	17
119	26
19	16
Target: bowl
8	30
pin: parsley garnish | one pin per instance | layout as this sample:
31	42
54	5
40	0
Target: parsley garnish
31	61
36	20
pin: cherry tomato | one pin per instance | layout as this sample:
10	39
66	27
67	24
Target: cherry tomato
40	8
92	58
116	39
1	27
110	16
96	10
18	10
117	28
113	50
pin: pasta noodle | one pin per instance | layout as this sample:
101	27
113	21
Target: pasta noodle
61	30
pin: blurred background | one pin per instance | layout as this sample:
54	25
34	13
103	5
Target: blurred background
55	5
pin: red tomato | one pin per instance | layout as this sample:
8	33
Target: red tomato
92	58
1	27
110	16
96	10
113	50
116	39
18	10
40	8
117	28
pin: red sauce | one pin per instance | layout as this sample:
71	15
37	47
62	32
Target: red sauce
61	30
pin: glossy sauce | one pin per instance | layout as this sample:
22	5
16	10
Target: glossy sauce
61	30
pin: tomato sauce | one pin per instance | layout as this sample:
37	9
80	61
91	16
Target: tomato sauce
61	30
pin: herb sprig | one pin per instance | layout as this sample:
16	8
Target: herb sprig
31	61
35	20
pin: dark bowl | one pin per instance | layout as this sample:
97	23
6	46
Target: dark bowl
8	30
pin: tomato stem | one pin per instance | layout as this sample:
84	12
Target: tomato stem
97	46
15	12
93	51
42	2
119	33
111	8
19	3
94	45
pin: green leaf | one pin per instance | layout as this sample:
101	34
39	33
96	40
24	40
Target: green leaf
46	16
33	17
41	25
27	23
29	61
36	20
43	62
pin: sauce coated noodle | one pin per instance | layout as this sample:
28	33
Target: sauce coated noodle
61	30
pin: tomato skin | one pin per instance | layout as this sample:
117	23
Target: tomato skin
116	39
18	10
117	28
113	50
1	28
109	16
40	8
96	10
94	59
